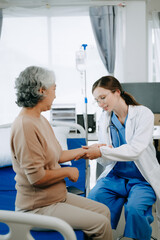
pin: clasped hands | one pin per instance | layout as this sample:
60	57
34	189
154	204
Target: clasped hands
90	152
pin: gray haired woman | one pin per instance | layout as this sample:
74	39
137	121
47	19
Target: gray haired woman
37	155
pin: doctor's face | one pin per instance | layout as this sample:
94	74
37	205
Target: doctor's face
105	98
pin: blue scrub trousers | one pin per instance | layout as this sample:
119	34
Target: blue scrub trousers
135	195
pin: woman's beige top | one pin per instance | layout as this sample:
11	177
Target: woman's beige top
34	149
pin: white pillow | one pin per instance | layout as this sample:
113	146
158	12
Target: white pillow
5	151
61	134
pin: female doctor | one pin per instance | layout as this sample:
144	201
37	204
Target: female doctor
132	174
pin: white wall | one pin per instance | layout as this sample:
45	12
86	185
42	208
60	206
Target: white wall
136	56
135	48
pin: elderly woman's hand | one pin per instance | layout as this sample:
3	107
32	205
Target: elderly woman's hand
89	152
81	154
73	174
93	153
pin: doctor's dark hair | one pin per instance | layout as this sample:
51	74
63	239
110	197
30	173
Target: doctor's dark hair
112	84
29	83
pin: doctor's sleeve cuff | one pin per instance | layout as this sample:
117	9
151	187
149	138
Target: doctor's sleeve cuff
103	159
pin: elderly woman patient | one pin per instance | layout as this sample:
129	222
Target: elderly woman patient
37	155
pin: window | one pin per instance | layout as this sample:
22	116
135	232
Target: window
49	42
154	48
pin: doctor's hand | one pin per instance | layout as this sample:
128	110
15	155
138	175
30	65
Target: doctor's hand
90	153
93	153
94	145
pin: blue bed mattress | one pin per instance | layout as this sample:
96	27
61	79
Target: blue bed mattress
8	192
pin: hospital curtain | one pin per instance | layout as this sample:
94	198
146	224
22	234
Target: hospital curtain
103	20
156	47
1	18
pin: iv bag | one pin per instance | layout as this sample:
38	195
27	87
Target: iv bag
80	60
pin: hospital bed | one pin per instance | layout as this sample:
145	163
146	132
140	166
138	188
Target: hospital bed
20	225
70	136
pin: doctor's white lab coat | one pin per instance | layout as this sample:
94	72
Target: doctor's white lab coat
139	147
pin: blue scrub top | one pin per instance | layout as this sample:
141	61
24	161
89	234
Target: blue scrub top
122	169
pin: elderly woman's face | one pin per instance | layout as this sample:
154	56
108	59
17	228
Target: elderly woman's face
50	95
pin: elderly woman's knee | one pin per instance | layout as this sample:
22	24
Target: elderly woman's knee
105	210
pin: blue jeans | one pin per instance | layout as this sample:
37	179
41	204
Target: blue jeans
135	195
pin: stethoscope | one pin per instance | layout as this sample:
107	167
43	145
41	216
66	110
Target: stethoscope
109	130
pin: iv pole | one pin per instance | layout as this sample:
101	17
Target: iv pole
81	67
80	64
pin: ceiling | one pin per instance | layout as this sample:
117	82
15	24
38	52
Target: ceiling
50	3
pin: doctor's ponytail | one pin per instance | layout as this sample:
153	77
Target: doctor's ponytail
129	99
